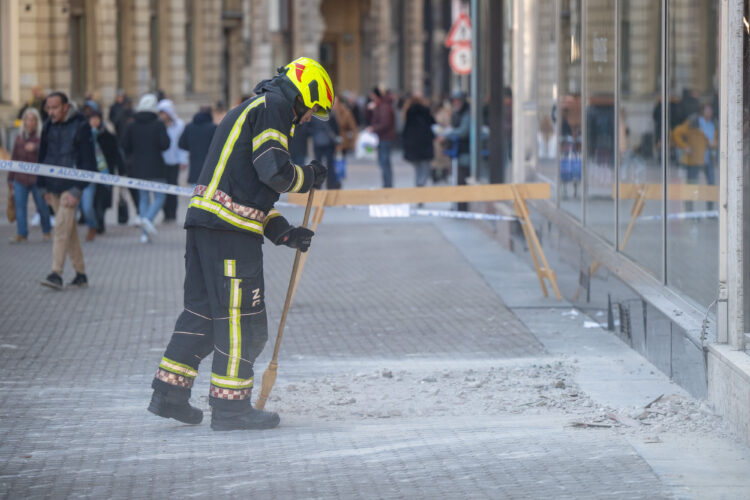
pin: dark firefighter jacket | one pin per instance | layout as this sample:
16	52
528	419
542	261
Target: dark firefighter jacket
248	166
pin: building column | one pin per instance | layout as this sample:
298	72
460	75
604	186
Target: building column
255	31
208	47
105	55
138	75
58	45
413	37
307	28
172	48
380	17
730	309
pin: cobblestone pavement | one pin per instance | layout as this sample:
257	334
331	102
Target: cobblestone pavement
387	312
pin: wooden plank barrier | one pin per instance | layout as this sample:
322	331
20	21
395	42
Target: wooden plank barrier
517	193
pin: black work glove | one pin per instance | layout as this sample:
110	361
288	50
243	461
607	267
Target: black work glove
298	237
320	172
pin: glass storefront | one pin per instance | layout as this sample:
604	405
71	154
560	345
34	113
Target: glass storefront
599	118
570	147
640	197
610	149
693	137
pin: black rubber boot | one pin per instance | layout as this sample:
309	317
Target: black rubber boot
244	418
175	405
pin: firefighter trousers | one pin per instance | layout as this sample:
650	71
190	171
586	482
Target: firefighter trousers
224	313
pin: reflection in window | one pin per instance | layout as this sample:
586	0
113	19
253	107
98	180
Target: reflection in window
600	117
569	112
546	91
692	163
639	129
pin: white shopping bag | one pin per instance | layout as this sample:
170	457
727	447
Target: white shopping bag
367	146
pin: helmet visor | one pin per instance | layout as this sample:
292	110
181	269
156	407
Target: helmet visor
320	113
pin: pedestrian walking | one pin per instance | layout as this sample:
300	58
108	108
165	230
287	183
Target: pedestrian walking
117	107
325	137
417	138
383	123
108	160
195	139
459	132
232	208
36	101
299	143
694	146
121	119
26	148
66	141
144	140
175	158
348	133
347	127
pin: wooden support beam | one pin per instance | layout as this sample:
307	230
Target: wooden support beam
393	196
517	193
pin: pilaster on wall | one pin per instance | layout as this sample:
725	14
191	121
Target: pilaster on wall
172	48
141	48
207	48
105	47
381	16
261	58
413	37
56	55
32	43
307	28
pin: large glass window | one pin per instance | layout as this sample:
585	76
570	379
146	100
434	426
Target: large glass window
639	128
692	162
600	116
546	94
569	107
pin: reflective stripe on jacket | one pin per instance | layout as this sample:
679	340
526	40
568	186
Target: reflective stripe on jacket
248	162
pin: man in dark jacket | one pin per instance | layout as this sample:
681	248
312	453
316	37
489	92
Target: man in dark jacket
67	142
195	139
232	209
417	138
383	123
144	140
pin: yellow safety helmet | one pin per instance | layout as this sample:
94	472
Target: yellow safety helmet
313	83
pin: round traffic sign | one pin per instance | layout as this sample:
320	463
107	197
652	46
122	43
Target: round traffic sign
460	59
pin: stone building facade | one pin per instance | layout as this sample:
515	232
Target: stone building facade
203	51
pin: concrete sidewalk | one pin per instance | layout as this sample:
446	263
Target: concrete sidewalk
419	361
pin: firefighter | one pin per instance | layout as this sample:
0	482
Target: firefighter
232	208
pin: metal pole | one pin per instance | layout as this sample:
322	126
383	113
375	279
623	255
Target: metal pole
730	306
497	92
558	102
664	135
476	105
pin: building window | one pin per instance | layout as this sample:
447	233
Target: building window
78	45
